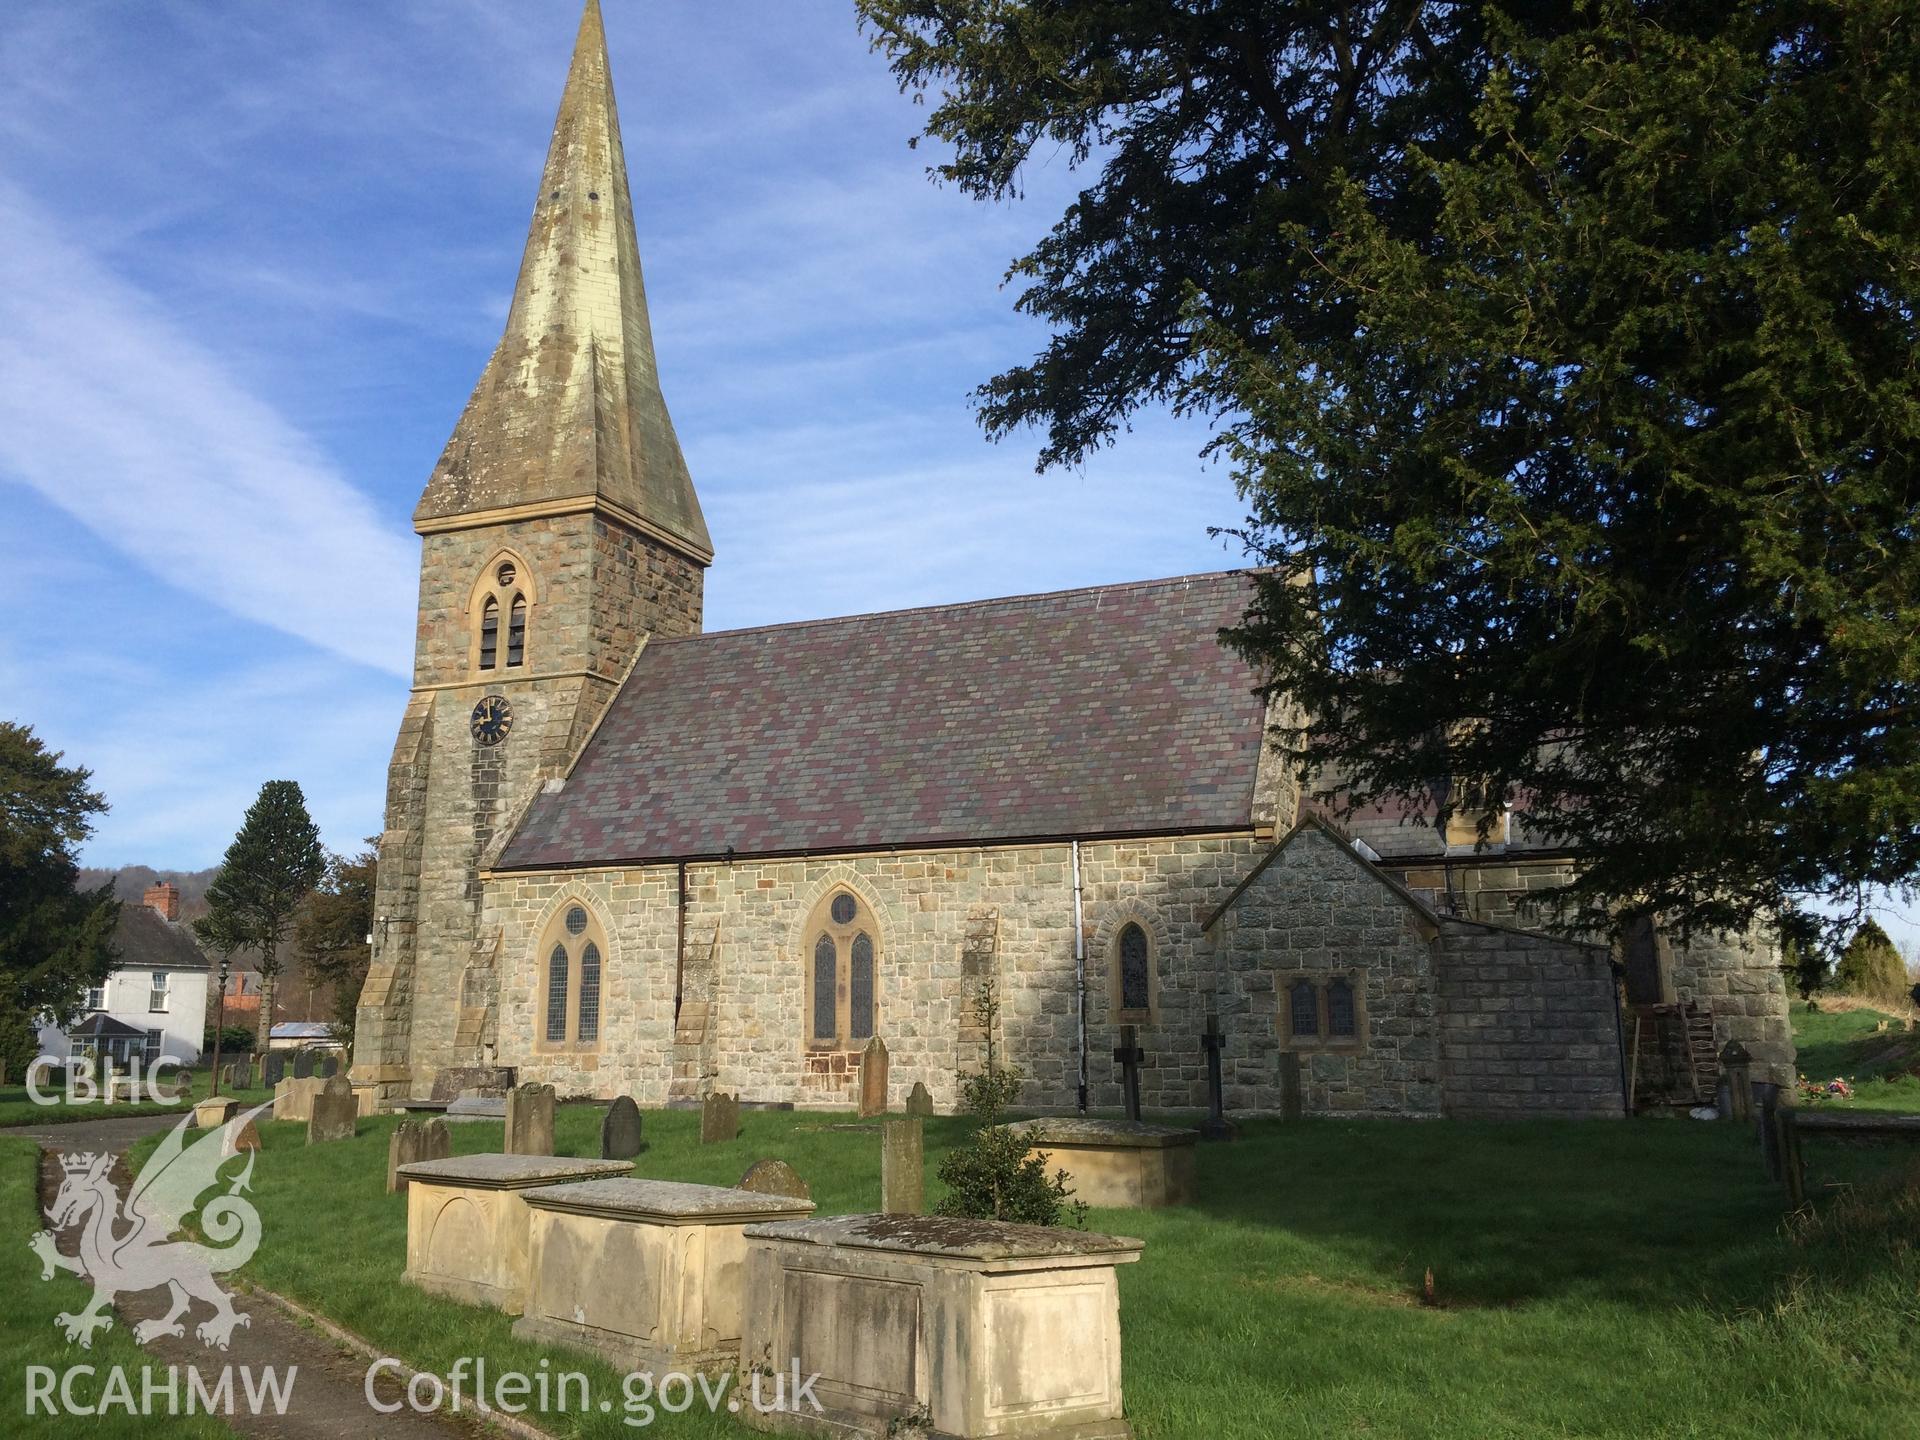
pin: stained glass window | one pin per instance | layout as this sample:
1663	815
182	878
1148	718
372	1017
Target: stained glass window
1134	991
489	633
557	994
825	980
1303	1005
517	631
590	992
577	920
860	1008
1339	1007
843	909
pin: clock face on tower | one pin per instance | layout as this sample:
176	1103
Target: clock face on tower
492	719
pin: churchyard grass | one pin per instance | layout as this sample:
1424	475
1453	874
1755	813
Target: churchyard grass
1882	1066
28	1336
17	1107
1626	1279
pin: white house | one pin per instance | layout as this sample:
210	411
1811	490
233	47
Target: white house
154	1003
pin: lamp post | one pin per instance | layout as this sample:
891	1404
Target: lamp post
219	1024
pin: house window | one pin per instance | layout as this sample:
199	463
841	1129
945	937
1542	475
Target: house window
503	598
1303	1008
150	1050
97	997
1135	968
157	999
843	973
575	949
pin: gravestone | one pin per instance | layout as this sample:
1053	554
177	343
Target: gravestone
273	1069
530	1120
1216	1126
247	1139
243	1075
873	1078
620	1137
719	1118
414	1141
457	1080
226	1076
774	1177
919	1100
329	1067
477	1107
1736	1083
903	1171
335	1110
1129	1055
303	1064
1289	1086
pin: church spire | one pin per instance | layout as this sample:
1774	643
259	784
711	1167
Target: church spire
569	407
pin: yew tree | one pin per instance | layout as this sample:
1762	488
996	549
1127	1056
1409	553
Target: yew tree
1566	358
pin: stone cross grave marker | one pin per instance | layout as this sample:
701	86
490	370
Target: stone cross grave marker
1216	1126
530	1120
903	1171
774	1177
919	1100
873	1078
1129	1055
335	1110
620	1137
303	1064
274	1068
1289	1086
719	1118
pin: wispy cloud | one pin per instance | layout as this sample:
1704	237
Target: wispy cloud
114	413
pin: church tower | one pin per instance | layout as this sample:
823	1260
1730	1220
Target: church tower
558	531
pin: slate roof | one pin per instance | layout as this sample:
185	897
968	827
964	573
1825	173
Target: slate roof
144	941
1100	712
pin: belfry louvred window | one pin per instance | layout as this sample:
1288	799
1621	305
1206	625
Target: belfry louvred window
517	631
489	633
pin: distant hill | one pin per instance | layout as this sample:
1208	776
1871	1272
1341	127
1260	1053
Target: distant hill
132	882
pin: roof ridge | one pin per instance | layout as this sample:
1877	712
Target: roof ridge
1028	597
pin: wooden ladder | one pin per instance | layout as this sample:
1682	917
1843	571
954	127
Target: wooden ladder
1703	1056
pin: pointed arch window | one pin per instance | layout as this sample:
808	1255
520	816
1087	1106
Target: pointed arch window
574	946
843	960
558	964
1133	968
503	601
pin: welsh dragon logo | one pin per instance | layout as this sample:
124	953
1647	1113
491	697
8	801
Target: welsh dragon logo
125	1249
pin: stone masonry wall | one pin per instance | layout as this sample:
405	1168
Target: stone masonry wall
597	590
934	911
1527	1024
1317	910
1738	977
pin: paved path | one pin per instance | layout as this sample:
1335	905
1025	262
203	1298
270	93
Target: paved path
328	1398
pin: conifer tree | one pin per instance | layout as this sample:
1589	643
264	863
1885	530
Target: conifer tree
272	865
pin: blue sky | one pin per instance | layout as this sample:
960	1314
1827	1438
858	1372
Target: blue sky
253	257
256	255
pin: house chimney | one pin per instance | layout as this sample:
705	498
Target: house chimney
164	899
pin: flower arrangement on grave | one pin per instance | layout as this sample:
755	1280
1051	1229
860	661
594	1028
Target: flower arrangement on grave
1813	1091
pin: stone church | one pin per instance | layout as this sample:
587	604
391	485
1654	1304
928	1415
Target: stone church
628	856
